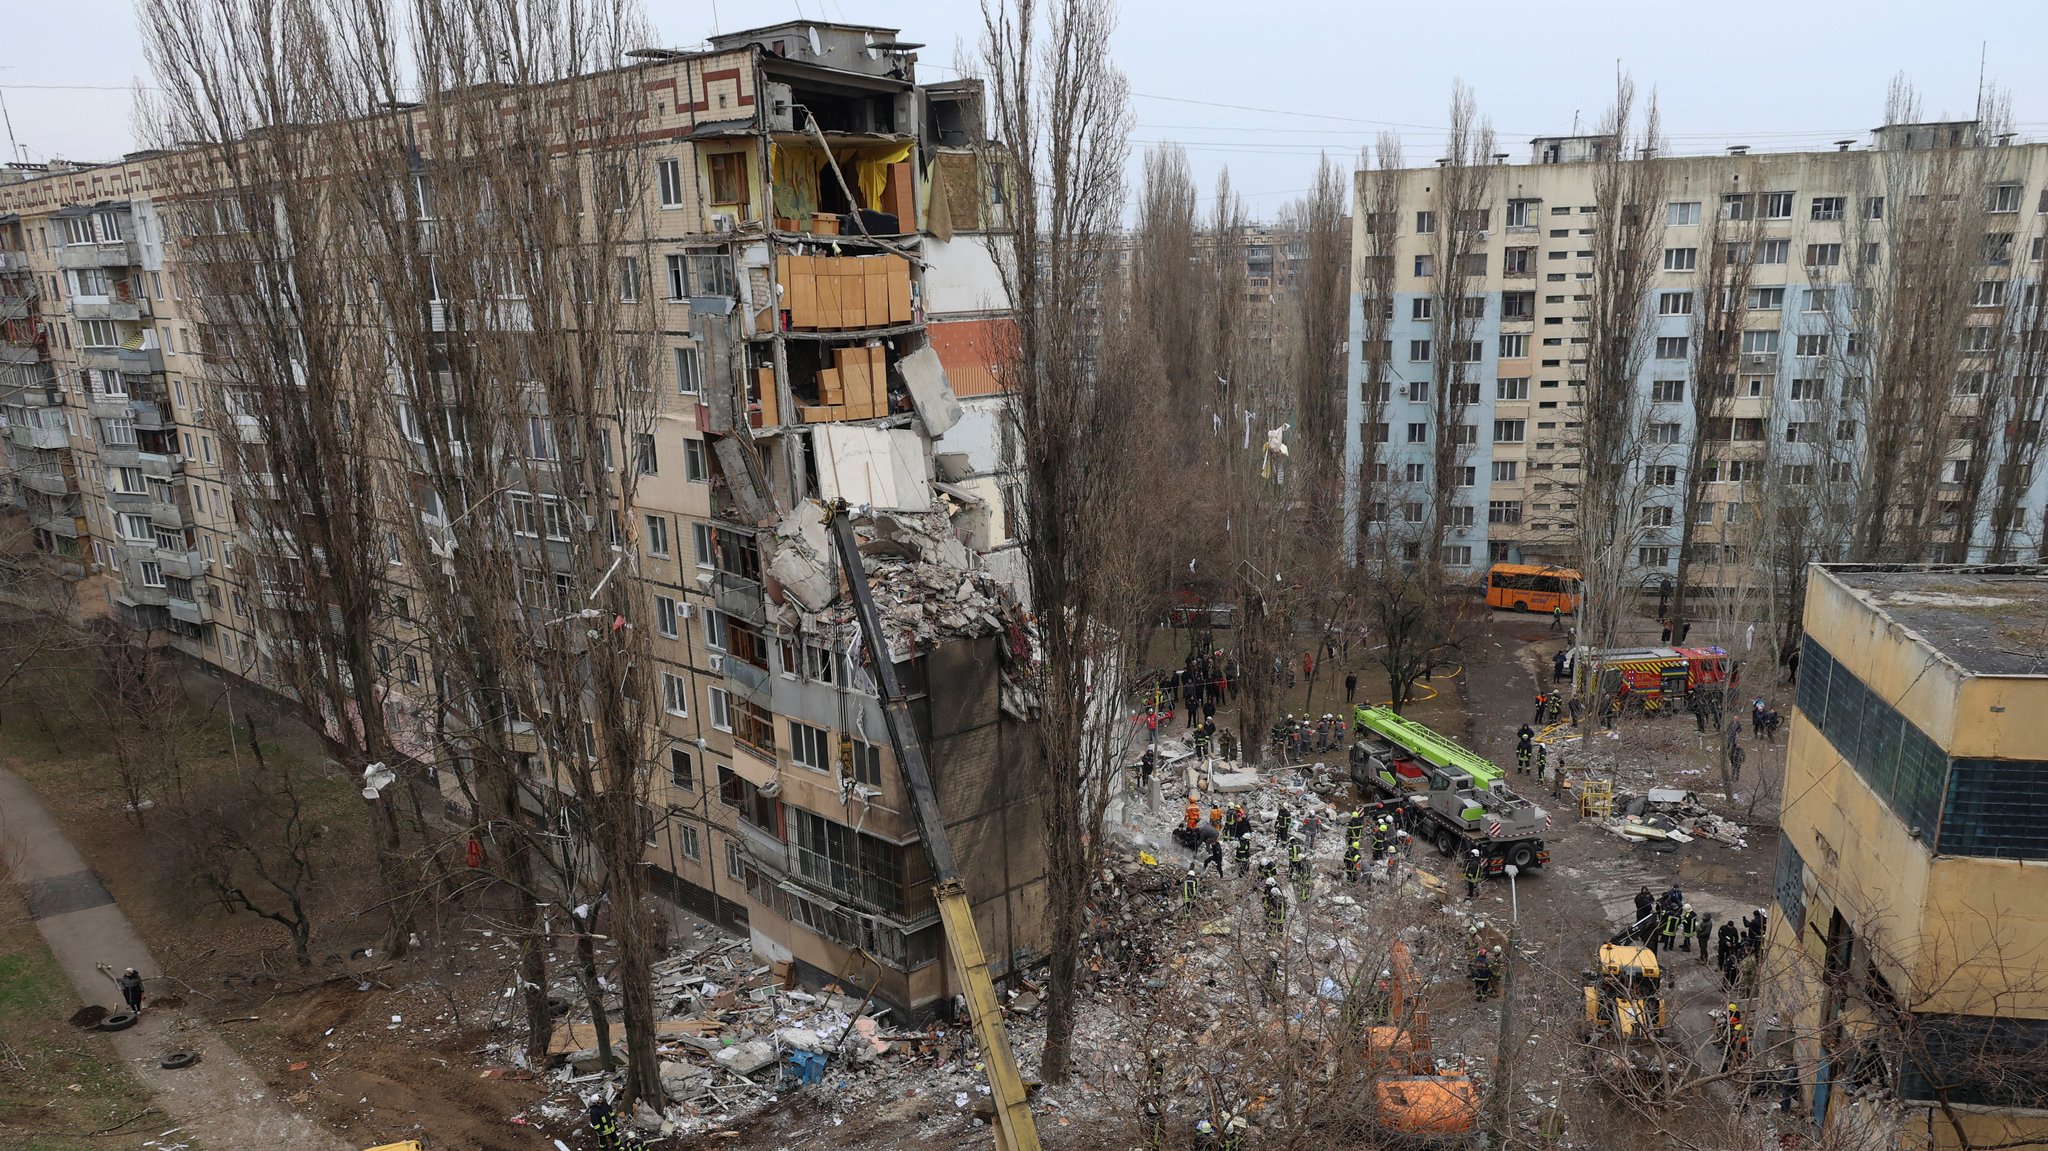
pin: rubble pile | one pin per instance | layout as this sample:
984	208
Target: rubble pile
1671	815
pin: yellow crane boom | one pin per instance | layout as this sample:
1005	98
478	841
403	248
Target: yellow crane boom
1014	1126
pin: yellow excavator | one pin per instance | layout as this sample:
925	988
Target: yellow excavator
1014	1126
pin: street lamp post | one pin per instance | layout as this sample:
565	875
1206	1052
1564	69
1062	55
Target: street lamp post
1503	1058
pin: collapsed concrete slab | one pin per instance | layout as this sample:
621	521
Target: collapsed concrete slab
933	396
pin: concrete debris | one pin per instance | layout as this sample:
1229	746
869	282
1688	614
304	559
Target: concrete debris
746	1058
1233	782
925	378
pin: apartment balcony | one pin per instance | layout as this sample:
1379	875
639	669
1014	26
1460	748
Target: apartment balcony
129	361
763	848
149	416
13	261
169	514
134	503
105	407
13	308
188	610
182	565
57	521
248	429
48	479
135	593
119	254
739	597
48	439
1758	362
110	309
11	353
120	455
159	466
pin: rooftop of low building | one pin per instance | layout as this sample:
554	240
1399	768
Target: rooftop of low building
1987	619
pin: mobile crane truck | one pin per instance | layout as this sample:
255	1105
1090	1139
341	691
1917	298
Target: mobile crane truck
1015	1129
1461	801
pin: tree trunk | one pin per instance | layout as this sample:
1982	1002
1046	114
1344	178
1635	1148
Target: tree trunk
593	992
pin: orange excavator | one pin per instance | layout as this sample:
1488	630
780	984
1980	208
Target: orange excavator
1418	1098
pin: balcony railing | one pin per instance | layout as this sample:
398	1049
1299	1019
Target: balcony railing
119	254
48	439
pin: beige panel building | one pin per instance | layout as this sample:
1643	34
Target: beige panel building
816	242
1905	955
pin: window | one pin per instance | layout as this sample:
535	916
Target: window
555	514
657	536
2002	198
720	703
714	629
1415	473
98	334
665	617
1661	475
1509	431
1774	252
629	278
1737	206
1512	388
670	175
1425	266
1657	516
1418	433
1777	205
1998	247
117	432
1811	345
682	770
1421	307
1767	299
728	177
1823	255
711	274
1506	471
646	453
1873	207
1470	351
1517	305
1845	430
1425	223
696	468
1797	432
1807	388
1762	342
1654	557
1868	253
753	726
1828	208
540	439
1418	391
1418	351
1460	516
810	746
1504	511
1991	293
702	541
678	275
129	481
1682	215
1674	304
1667	391
1475	264
1820	299
1518	262
1672	347
1663	433
1681	259
1979	339
1456	555
1411	512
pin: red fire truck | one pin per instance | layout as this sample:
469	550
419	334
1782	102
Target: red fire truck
1666	674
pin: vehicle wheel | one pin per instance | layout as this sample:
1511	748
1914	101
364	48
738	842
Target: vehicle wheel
178	1059
1522	856
1520	606
1447	841
118	1021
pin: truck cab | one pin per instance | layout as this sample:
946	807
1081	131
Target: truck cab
1625	995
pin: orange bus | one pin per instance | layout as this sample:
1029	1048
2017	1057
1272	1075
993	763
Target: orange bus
1532	587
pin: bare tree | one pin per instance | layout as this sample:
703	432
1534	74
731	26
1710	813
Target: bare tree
1628	192
1463	193
253	842
1379	205
1060	128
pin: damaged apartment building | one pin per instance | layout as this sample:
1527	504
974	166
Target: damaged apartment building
830	316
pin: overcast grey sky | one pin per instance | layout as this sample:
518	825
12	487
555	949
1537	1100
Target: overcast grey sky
1305	77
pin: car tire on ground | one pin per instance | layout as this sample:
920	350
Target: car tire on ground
178	1060
118	1021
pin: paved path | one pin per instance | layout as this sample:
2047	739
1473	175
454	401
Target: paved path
219	1104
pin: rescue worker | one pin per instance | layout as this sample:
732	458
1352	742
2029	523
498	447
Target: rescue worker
1688	925
1753	940
1542	702
1297	856
1274	984
1155	1097
1556	706
1282	822
1354	828
1268	870
1481	971
1645	903
1188	890
1701	931
1276	907
1216	818
1667	932
1194	814
1205	1136
1524	744
1379	840
1244	856
1312	826
1542	760
1573	705
1475	870
1216	856
1201	740
1234	1132
1351	862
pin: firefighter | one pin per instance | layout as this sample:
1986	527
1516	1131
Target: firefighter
1524	744
1189	888
1481	970
1475	870
1556	706
1297	856
1688	925
1276	907
1274	985
1216	856
1354	829
1727	942
1542	760
1542	703
1244	856
1379	840
1667	931
1234	1129
1155	1096
1268	870
1351	862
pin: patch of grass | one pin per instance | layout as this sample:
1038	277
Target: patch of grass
42	1057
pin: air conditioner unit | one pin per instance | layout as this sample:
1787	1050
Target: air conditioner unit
722	222
1485	236
1757	359
718	664
686	610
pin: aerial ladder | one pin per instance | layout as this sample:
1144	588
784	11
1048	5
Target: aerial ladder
1015	1129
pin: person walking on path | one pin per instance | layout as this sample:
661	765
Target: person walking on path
1350	688
131	990
1556	617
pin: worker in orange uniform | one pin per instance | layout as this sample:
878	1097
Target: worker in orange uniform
1194	814
1216	818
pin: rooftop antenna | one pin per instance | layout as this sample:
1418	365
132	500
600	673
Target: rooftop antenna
1983	47
13	149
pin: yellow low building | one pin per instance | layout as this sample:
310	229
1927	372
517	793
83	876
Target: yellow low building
1907	957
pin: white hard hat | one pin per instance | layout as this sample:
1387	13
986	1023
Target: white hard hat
1688	907
1475	851
1205	1128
